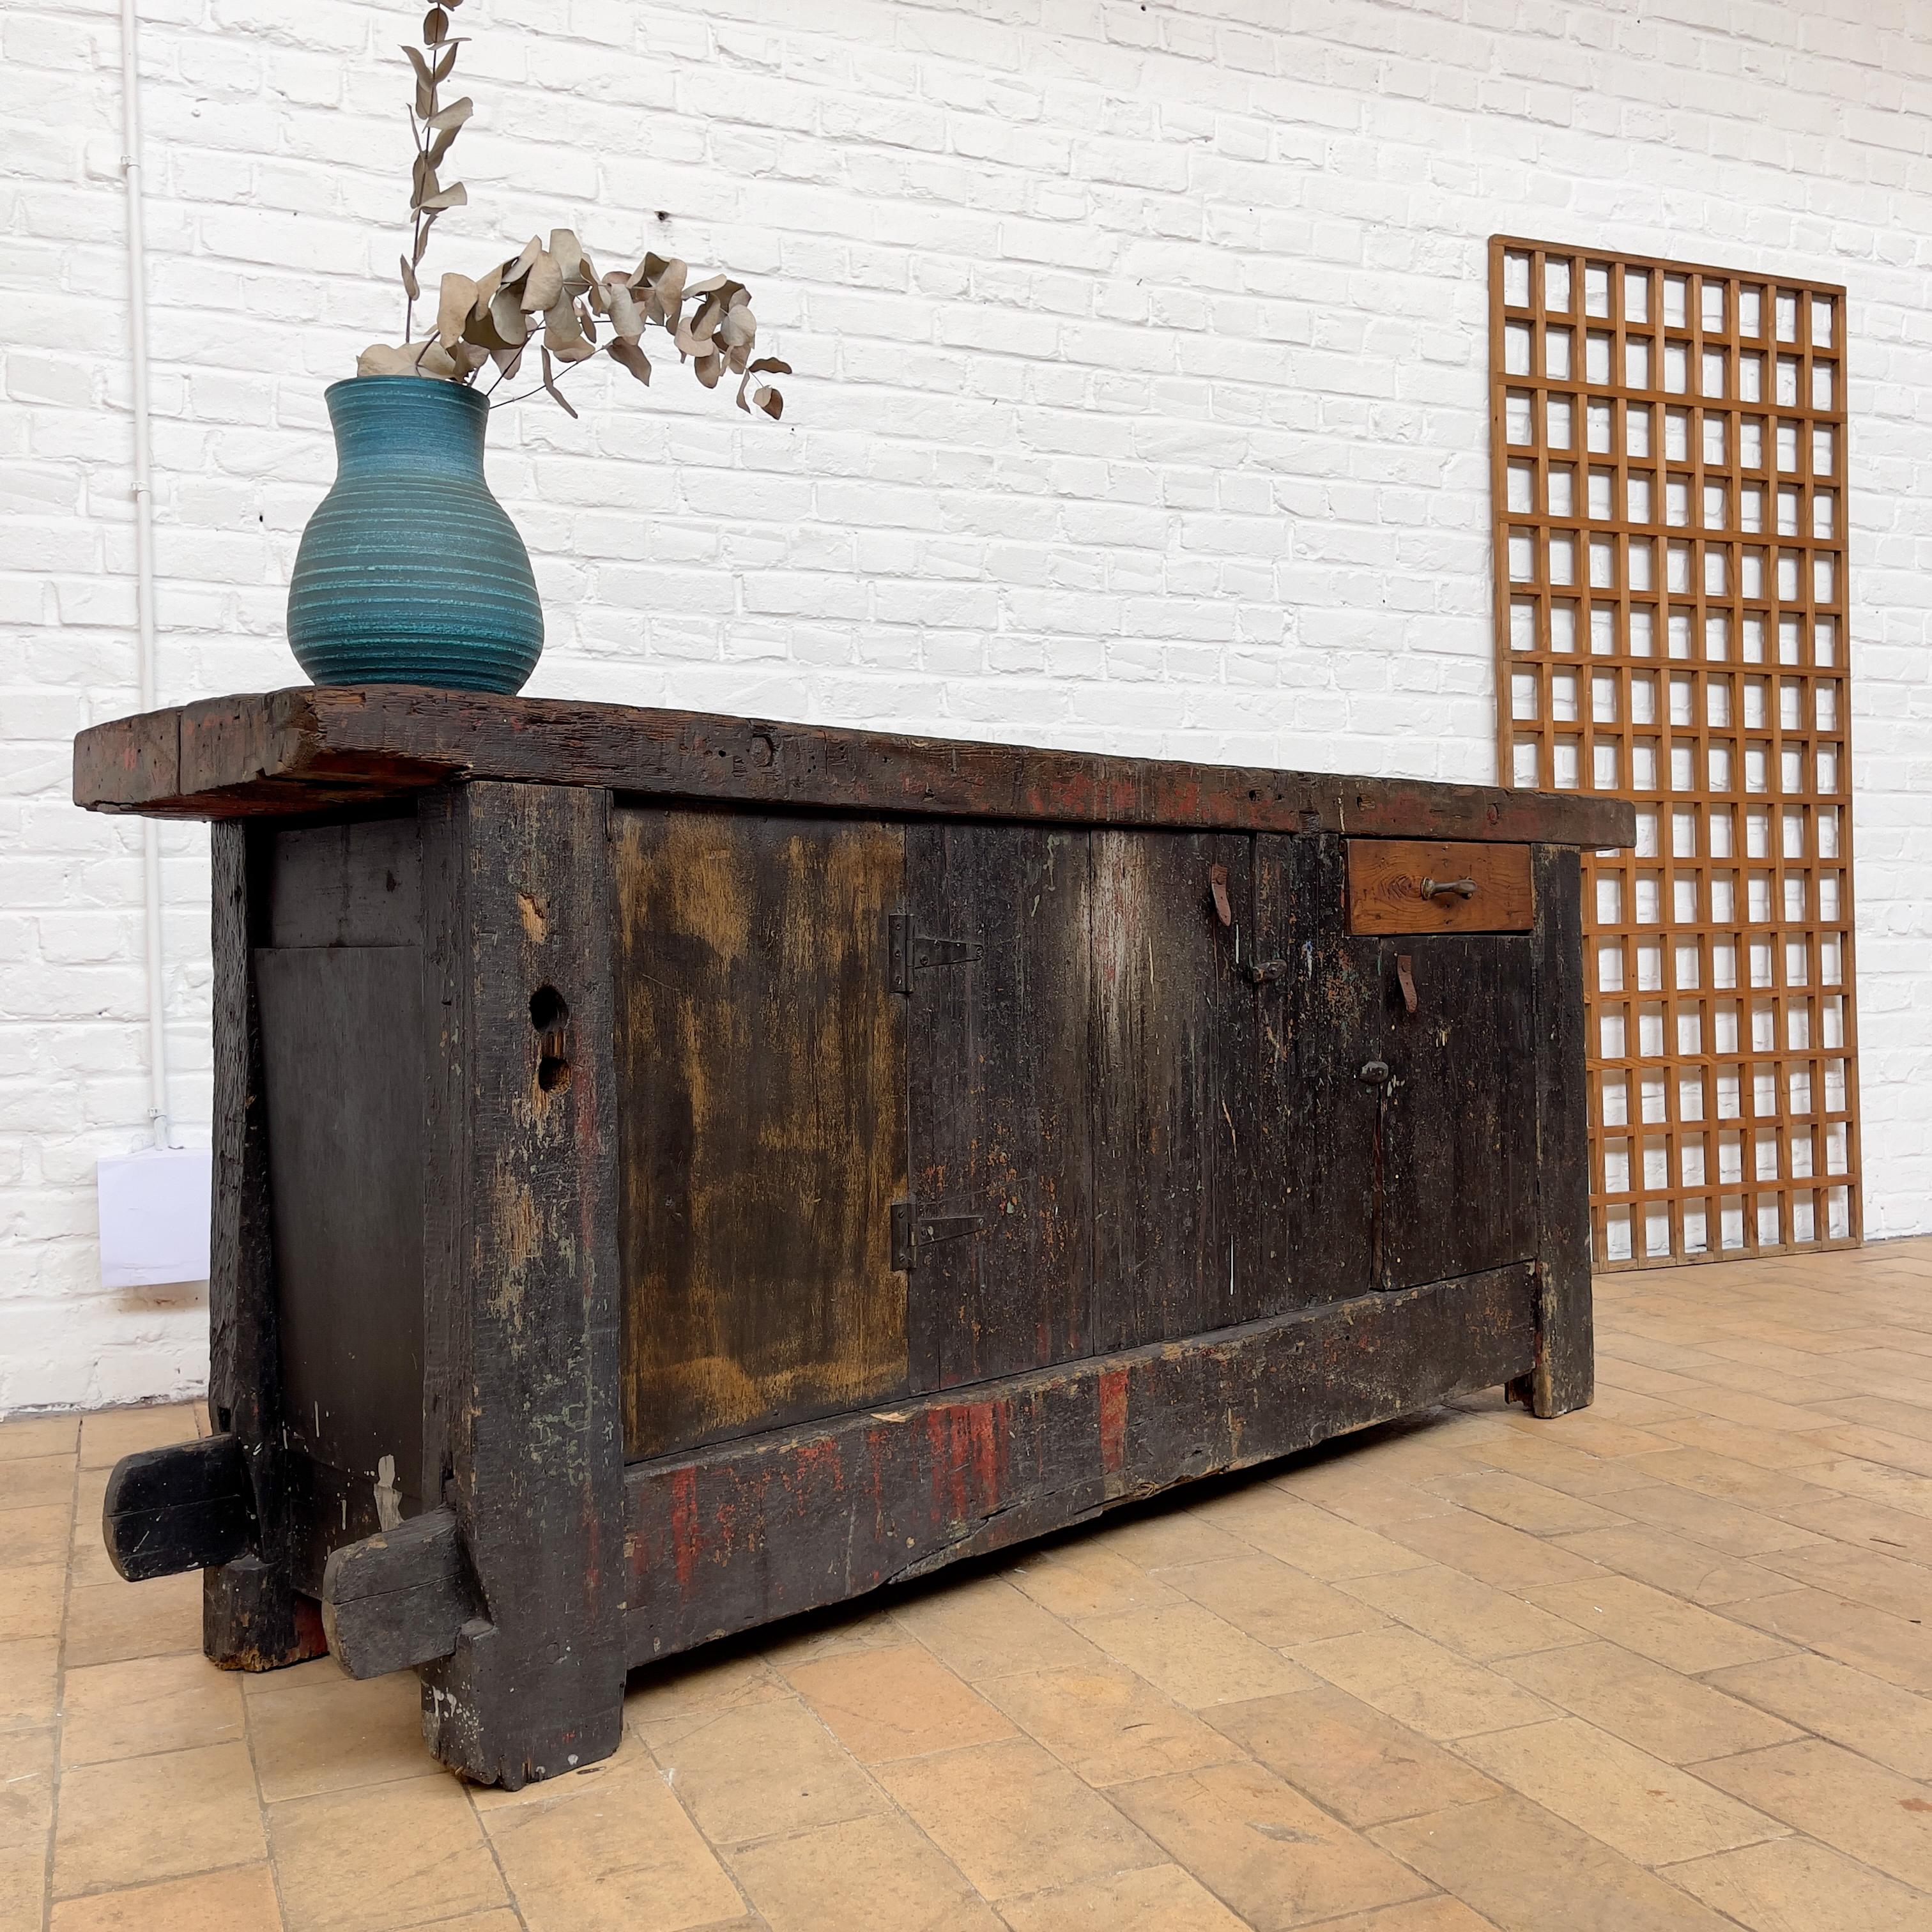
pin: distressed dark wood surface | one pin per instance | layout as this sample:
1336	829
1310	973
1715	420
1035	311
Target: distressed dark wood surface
399	1596
1310	1183
520	1294
1565	1376
253	1616
741	1533
309	750
187	1506
998	966
342	1035
1458	1161
1172	1081
761	1058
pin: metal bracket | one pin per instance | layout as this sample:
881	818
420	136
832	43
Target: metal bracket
1265	972
1217	890
910	1232
1404	973
908	952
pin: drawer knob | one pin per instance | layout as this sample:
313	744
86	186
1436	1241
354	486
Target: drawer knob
1435	888
1375	1072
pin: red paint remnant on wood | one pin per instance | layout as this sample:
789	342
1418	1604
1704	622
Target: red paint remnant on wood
684	1537
1114	1421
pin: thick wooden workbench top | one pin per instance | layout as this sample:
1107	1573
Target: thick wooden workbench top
309	750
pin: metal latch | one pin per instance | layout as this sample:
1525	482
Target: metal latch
1404	973
909	951
1217	890
1265	972
911	1232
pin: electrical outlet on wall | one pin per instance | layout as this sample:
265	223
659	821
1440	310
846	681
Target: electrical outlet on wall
154	1212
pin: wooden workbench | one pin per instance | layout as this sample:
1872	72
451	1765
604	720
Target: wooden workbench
674	1172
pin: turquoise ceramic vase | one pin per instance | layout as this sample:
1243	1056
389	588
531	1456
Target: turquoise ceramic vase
409	572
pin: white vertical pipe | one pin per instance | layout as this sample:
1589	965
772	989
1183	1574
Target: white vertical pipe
144	557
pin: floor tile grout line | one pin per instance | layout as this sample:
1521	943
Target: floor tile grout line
60	1691
262	1802
516	1904
1240	1755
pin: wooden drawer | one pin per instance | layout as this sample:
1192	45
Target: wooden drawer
1404	885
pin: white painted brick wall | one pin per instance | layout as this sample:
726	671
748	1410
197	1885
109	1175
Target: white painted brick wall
1141	404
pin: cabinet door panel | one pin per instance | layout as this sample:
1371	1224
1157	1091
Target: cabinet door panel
762	1080
1458	1114
1174	1075
1311	1183
996	961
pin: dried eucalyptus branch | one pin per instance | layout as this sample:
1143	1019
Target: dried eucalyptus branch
553	292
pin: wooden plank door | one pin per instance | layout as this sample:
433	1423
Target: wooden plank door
1309	1188
761	1063
1172	1033
1457	1153
994	961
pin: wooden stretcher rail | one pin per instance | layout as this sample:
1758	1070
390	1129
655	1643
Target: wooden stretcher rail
290	753
777	1524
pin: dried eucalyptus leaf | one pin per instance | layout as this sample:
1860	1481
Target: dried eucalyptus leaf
545	288
430	359
626	316
384	359
448	119
411	286
422	180
632	357
770	365
421	66
454	300
440	146
550	383
586	320
563	333
771	402
446	60
574	264
425	97
469	357
668	294
526	259
708	369
508	360
436	27
738	327
507	319
455	195
709	285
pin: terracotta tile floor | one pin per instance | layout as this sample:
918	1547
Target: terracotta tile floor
1664	1664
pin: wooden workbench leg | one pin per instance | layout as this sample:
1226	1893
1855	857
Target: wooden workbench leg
521	1357
253	1618
1565	1377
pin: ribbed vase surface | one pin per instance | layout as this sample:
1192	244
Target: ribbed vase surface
409	571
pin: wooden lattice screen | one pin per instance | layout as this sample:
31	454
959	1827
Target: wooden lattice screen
1668	462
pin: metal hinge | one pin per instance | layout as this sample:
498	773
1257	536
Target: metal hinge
908	952
911	1232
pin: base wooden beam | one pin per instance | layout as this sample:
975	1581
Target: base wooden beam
188	1506
738	1534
